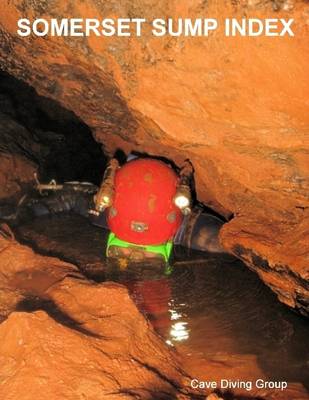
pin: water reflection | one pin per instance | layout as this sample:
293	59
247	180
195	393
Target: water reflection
210	307
217	307
179	332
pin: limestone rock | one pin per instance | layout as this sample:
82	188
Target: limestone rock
213	396
237	107
41	358
64	337
285	272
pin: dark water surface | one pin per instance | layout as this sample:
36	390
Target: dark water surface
211	304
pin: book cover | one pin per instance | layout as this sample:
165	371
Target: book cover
154	199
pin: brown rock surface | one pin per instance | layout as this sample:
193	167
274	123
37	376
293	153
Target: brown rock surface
285	272
64	337
237	107
15	172
23	273
68	338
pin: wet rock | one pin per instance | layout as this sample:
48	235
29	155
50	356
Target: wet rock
54	361
68	237
16	173
23	273
241	122
286	273
66	337
213	396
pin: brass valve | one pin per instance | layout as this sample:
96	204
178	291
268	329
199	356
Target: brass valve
41	187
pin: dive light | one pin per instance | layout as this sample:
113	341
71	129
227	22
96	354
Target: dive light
182	198
105	194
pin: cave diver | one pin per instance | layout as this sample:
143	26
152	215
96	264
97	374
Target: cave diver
145	204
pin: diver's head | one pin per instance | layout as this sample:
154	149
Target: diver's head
149	200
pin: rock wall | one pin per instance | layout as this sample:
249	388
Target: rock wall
237	107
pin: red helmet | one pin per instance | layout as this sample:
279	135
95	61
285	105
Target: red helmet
143	211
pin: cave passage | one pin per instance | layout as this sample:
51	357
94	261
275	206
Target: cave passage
209	307
45	133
